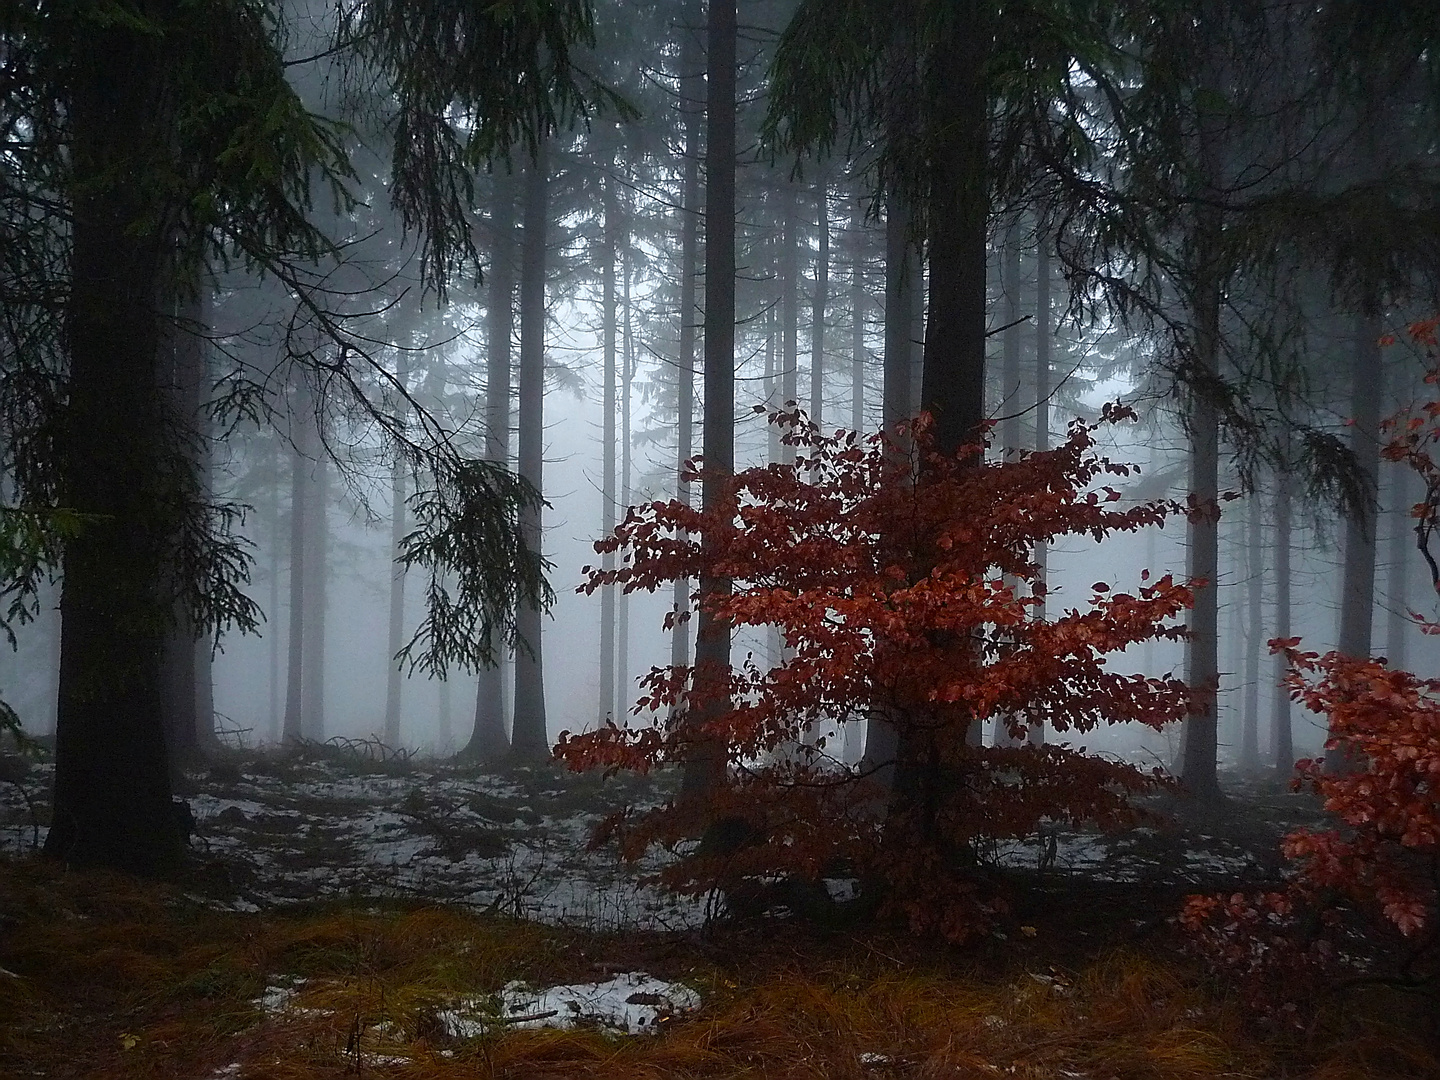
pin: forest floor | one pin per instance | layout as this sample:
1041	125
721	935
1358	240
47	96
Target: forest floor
345	916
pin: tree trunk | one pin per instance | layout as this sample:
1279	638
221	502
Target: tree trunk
317	559
530	738
1357	586
607	493
1010	405
1044	337
302	424
705	768
396	637
272	610
857	319
622	615
818	306
685	399
1254	639
112	797
1282	747
789	306
489	743
1397	625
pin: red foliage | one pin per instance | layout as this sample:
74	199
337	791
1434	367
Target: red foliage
885	571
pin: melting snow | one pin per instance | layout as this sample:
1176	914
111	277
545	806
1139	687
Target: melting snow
634	1003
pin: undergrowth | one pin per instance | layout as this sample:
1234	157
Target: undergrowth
106	977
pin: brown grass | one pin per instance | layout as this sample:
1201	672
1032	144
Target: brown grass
115	978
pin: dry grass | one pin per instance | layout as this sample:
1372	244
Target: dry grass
112	978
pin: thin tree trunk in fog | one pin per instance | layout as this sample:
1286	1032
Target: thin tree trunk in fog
529	738
773	451
857	319
272	610
1044	337
489	743
1357	584
1254	639
1282	747
789	305
301	425
317	569
689	241
395	640
705	768
1199	741
820	302
622	616
446	739
607	487
1010	404
1397	624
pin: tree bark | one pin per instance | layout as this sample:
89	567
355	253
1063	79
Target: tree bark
530	738
607	493
819	303
789	305
272	609
301	426
112	797
1254	640
1357	586
489	742
857	319
705	767
1044	338
1402	536
395	639
622	614
1282	747
317	559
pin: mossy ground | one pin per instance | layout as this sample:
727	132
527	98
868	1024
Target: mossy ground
109	977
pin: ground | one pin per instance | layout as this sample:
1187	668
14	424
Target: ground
345	915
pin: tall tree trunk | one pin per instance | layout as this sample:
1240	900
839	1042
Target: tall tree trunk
1282	748
530	738
395	640
819	303
1010	404
317	569
446	740
112	796
789	304
607	486
705	768
489	743
1199	741
1357	586
302	424
1397	625
1254	639
272	610
857	319
691	68
622	615
1044	338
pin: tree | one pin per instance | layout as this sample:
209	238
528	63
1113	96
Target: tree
912	621
165	135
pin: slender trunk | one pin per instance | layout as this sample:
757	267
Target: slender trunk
607	494
1199	740
1357	586
446	741
818	306
1282	747
112	796
1397	625
900	285
857	320
272	610
489	742
1254	639
1044	338
317	559
789	306
1010	404
622	616
530	738
685	395
705	768
301	426
396	637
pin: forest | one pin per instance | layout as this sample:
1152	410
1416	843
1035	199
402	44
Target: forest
720	538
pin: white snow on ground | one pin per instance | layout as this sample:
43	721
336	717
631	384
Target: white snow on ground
634	1003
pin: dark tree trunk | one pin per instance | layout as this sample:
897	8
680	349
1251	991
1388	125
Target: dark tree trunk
1282	747
622	615
530	739
112	797
857	319
317	559
820	301
1402	536
1044	337
395	638
1010	404
272	610
789	305
1357	586
489	743
705	768
607	450
1254	640
902	270
690	211
302	454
